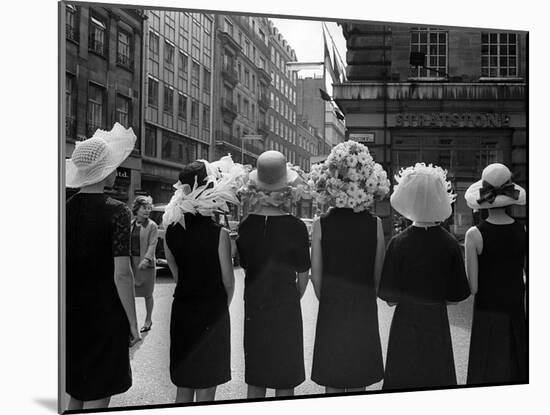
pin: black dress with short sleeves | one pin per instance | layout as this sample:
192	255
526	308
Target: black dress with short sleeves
348	352
199	326
423	269
498	346
272	249
98	332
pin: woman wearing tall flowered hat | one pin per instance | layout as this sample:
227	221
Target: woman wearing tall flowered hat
495	259
198	251
347	256
423	272
274	252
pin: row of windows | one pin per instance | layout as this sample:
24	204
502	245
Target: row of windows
98	35
499	53
174	146
281	129
282	108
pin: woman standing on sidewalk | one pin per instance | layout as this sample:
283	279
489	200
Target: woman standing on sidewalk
274	251
423	272
199	256
100	304
346	263
144	243
495	258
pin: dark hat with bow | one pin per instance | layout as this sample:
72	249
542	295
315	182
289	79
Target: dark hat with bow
495	189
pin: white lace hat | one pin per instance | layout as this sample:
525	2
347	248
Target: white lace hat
495	189
97	157
422	193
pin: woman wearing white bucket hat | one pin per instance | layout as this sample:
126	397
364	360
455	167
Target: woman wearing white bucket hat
100	305
423	272
495	258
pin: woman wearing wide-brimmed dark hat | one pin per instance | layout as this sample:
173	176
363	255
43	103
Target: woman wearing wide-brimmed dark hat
274	251
100	303
198	251
495	259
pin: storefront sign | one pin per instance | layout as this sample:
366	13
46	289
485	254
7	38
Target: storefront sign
364	138
123	175
453	120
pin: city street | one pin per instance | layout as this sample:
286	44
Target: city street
150	358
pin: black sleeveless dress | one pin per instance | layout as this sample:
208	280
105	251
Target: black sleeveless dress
98	332
498	346
347	351
199	327
272	249
423	269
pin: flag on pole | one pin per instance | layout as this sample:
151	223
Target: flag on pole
329	75
338	70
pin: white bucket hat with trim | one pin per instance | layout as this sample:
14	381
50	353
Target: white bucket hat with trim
272	172
97	157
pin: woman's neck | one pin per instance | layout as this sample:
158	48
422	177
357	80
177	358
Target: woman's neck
499	216
269	211
419	224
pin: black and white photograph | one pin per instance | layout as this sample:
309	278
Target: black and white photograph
267	206
263	208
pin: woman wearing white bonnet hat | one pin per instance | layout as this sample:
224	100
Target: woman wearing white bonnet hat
495	257
423	272
100	304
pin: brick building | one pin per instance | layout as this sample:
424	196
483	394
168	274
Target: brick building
103	81
467	111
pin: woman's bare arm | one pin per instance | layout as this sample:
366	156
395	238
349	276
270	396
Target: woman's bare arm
380	253
226	264
473	245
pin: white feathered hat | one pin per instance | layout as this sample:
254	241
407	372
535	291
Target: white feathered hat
97	157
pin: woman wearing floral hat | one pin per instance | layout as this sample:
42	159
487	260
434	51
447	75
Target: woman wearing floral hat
347	257
423	272
100	304
144	243
495	259
198	252
274	251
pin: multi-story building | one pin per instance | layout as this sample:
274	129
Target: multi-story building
241	85
179	62
103	80
319	113
449	96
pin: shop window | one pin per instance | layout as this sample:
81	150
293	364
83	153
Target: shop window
499	55
433	43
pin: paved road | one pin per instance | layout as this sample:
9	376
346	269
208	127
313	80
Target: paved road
150	358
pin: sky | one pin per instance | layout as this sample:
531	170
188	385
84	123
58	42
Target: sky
306	38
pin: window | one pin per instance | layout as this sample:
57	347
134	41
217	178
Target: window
247	48
153	93
97	36
253	113
207	47
247	78
228	27
240	39
184	33
499	55
253	83
240	70
96	119
246	108
262	35
123	111
169	54
182	106
124	49
262	63
70	106
154	44
254	54
206	118
195	79
432	42
177	148
170	25
194	112
168	99
71	24
195	39
183	65
239	103
150	141
206	81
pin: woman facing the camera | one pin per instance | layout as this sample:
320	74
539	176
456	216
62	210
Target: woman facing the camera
346	263
100	304
198	252
274	252
144	243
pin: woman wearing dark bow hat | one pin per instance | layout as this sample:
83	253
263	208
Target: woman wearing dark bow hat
495	257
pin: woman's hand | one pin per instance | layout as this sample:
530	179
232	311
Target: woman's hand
391	304
135	337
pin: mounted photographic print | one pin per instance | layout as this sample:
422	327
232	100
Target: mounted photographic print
259	207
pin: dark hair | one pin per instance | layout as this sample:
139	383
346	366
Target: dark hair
190	171
139	202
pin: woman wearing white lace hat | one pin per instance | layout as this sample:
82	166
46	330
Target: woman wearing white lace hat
495	259
423	272
100	303
198	251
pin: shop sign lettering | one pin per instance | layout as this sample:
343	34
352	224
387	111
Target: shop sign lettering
453	120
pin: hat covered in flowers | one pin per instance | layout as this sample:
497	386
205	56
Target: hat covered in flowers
349	178
422	193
